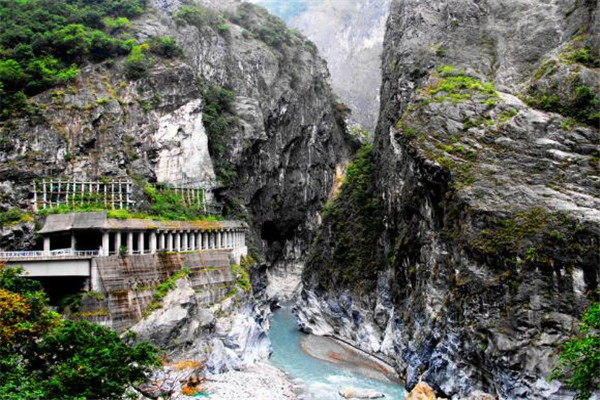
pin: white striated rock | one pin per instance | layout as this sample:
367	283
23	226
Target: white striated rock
183	153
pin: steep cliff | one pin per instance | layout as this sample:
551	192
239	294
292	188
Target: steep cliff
349	36
237	103
484	199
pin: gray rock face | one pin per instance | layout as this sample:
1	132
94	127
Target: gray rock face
349	35
490	247
226	335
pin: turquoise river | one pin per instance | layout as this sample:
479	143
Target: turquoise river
317	379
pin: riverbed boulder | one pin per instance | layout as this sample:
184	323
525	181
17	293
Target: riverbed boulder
422	391
354	393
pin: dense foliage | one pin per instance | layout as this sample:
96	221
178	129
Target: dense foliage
199	16
264	26
45	357
167	204
346	252
579	361
42	42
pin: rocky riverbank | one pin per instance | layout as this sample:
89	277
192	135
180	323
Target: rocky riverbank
259	381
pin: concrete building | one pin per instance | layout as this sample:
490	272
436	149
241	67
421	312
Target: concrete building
71	241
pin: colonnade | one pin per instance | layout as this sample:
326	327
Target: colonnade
149	242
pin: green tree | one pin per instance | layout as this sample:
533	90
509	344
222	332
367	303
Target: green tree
579	361
45	357
89	361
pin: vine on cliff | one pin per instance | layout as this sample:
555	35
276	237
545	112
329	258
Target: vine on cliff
220	120
347	251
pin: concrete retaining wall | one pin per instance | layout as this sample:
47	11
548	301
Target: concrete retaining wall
130	282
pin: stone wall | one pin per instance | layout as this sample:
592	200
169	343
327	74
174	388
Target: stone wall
129	283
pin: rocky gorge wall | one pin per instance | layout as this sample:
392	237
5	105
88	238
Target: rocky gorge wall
243	110
243	107
483	199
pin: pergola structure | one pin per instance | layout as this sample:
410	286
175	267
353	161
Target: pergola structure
94	231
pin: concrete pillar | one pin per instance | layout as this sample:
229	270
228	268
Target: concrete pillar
117	239
218	240
141	242
47	244
161	241
152	242
242	239
177	241
192	241
73	241
184	241
199	240
130	243
205	240
170	241
105	243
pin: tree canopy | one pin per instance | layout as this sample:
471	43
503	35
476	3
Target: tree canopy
45	357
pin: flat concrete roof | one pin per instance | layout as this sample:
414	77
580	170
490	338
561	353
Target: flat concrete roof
99	220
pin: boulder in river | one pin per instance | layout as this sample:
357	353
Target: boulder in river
353	393
421	391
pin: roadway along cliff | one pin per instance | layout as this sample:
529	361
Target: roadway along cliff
239	104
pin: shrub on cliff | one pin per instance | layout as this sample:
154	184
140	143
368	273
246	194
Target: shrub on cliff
45	357
579	361
165	46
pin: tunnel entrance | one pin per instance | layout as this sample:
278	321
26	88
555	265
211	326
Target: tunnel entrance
57	287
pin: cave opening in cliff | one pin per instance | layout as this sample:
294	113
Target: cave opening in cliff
270	232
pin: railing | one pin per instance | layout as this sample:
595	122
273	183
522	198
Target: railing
114	194
60	253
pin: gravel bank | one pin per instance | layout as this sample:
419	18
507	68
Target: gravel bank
259	381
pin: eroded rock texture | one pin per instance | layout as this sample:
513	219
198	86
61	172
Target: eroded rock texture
278	154
486	170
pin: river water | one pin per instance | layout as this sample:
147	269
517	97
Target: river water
318	380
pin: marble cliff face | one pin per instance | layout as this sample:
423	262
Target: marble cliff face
349	36
486	220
